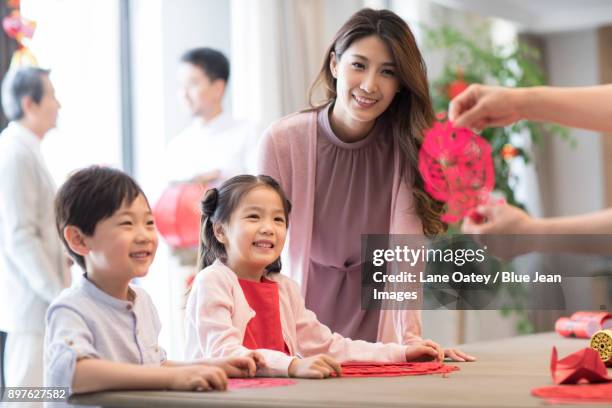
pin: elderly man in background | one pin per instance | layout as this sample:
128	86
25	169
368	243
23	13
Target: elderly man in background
34	268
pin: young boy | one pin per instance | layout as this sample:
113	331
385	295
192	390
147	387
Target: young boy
102	333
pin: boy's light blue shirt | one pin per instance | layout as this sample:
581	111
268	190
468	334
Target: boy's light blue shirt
84	321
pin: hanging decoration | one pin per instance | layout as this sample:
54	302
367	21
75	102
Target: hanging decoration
21	30
457	168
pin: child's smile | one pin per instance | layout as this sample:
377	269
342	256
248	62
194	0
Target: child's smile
124	244
255	234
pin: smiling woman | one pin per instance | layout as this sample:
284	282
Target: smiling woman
355	156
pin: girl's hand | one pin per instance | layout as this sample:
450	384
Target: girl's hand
319	366
197	378
259	359
238	367
424	350
458	355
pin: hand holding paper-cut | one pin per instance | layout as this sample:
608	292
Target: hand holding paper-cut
457	168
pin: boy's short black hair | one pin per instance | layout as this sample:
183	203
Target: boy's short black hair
214	64
89	196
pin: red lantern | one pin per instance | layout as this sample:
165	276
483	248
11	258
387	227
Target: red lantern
456	87
177	214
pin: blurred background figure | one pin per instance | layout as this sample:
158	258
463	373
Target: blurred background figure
34	266
215	146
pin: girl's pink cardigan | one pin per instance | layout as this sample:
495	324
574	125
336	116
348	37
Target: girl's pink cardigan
287	152
217	314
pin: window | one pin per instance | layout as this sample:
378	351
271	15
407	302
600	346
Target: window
79	41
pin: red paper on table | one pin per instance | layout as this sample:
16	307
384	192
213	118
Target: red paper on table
583	375
374	369
583	365
575	394
237	383
457	168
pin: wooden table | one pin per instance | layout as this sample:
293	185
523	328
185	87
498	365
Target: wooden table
503	376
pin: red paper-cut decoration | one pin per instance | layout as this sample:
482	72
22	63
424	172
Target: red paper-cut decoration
238	383
585	370
583	365
177	214
374	369
457	168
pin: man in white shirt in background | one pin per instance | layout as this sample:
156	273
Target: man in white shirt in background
214	147
34	266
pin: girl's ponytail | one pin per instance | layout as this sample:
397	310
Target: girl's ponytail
209	247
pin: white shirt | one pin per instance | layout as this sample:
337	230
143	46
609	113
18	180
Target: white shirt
223	144
85	321
33	270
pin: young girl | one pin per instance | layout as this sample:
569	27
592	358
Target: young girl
354	156
240	302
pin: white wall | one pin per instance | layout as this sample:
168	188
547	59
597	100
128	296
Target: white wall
576	174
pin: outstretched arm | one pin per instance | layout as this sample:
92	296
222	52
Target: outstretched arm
482	106
97	375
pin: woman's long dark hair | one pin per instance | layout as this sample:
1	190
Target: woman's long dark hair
217	208
410	112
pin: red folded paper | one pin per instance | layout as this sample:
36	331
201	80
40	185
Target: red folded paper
237	383
584	365
587	374
373	369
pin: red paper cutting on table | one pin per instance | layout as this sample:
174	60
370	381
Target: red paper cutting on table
575	394
587	375
582	365
238	383
457	168
373	369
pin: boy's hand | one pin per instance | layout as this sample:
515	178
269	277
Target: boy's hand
238	367
458	355
424	350
319	366
197	378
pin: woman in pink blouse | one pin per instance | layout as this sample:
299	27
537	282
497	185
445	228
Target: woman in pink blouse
349	166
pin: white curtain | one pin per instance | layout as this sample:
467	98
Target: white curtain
276	52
